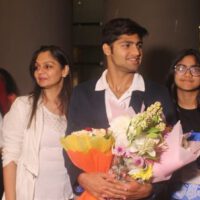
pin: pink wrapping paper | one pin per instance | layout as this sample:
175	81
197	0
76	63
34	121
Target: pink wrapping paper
175	156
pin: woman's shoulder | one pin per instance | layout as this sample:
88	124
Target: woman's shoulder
25	101
20	109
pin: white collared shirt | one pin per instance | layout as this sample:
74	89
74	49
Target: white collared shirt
124	100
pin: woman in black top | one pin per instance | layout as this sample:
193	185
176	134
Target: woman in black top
184	85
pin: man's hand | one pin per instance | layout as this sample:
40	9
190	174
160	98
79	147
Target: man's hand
102	186
136	190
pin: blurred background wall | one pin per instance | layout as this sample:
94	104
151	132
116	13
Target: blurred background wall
173	25
25	26
75	25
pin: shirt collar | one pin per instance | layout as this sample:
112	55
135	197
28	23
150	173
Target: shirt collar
137	83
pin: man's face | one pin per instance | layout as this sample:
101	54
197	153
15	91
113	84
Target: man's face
125	54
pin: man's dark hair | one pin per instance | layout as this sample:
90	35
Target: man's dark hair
119	26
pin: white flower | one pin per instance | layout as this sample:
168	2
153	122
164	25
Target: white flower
119	126
135	170
144	146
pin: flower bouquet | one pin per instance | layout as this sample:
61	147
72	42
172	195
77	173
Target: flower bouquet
139	141
89	150
147	150
140	147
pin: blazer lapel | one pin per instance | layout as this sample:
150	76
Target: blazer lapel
99	109
137	99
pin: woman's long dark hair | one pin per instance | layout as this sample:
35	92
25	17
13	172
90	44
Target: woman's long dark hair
65	92
171	80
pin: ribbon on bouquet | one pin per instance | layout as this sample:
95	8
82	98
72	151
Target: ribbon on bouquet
194	136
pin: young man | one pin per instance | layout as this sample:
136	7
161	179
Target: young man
94	103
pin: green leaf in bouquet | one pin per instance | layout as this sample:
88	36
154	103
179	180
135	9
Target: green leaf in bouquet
139	130
154	130
149	157
131	135
153	135
108	134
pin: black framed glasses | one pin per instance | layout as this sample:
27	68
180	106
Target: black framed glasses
182	69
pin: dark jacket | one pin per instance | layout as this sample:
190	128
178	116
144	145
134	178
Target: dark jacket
87	109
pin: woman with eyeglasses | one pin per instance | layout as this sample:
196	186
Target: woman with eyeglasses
184	84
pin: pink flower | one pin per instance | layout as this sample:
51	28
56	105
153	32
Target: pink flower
118	150
137	161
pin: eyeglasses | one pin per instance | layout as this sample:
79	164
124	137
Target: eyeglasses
182	69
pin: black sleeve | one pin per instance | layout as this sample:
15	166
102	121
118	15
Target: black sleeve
73	125
159	191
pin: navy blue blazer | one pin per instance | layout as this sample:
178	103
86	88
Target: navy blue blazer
87	109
